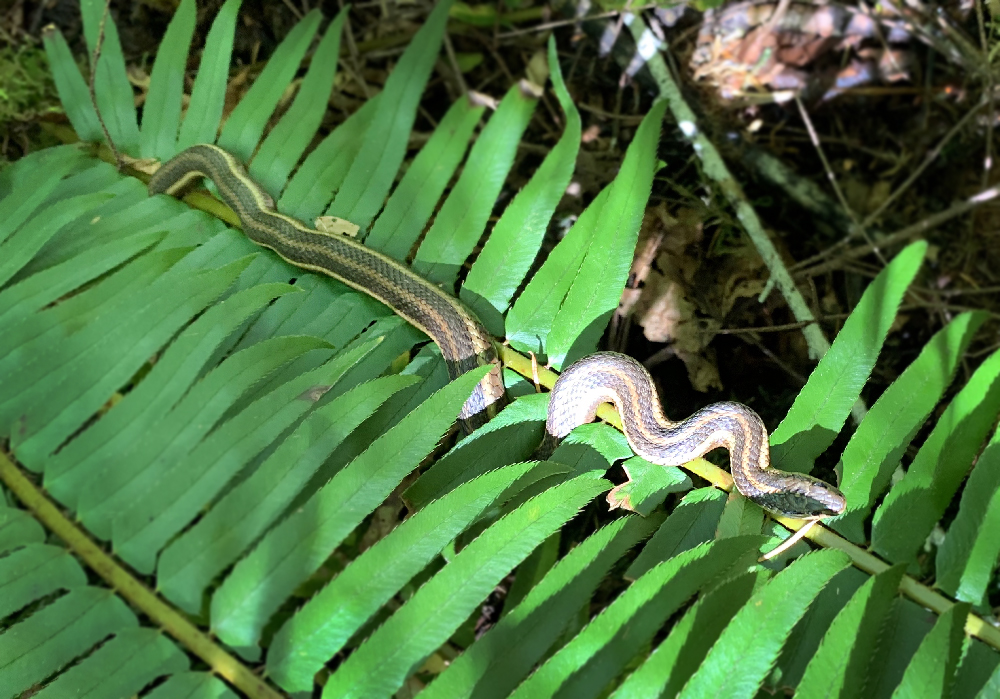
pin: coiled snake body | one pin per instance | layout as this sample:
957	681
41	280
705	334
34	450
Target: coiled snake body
465	344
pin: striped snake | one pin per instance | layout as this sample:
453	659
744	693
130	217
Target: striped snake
466	344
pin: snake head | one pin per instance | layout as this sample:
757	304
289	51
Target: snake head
803	497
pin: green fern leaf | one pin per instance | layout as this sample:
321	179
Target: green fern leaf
912	508
462	218
932	671
287	141
598	287
180	491
514	243
841	663
33	179
428	618
111	86
875	449
73	91
115	485
745	652
691	523
35	648
291	552
321	628
497	662
413	201
32	572
161	113
325	168
967	557
121	667
245	125
822	406
374	170
142	409
192	685
208	96
18	528
585	665
672	663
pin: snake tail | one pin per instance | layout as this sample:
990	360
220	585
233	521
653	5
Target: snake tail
464	342
609	377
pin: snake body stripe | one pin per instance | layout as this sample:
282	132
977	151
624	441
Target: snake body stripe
608	377
465	344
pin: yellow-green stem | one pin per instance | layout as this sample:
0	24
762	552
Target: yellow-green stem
131	589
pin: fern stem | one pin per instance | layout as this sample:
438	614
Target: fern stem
131	589
919	593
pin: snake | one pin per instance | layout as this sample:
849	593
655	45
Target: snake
602	377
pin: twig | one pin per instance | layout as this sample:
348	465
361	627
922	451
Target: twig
931	157
626	119
871	218
716	169
463	89
858	226
294	10
546	26
752	339
353	66
95	57
906	233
